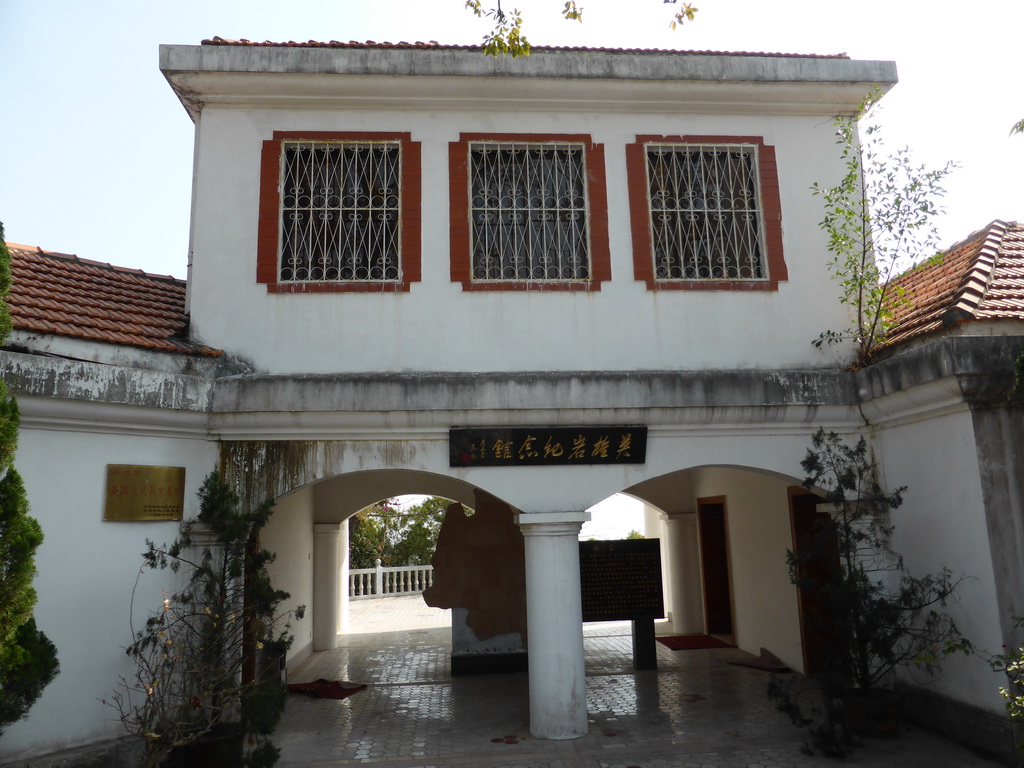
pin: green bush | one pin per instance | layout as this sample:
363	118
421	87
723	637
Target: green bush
208	661
28	660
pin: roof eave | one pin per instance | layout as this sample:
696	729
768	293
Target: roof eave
279	75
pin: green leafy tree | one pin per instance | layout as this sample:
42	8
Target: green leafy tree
506	37
28	660
884	617
880	220
208	661
1011	662
877	616
395	535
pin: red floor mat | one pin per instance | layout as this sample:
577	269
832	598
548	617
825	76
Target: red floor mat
692	642
326	689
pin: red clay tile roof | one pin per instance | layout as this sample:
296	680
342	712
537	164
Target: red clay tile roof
62	294
435	46
981	278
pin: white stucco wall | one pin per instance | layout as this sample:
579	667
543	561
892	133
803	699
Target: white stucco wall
87	569
289	535
438	327
942	523
765	610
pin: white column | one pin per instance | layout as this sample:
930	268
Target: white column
558	691
343	624
326	585
684	570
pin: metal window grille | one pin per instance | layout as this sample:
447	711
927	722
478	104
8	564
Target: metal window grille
528	212
340	211
706	218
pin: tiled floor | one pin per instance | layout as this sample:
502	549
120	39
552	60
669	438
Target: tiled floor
695	711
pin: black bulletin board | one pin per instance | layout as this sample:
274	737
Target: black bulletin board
621	579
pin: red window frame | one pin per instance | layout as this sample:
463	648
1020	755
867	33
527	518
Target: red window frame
459	209
269	236
640	216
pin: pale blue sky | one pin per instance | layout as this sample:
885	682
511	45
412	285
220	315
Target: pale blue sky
97	153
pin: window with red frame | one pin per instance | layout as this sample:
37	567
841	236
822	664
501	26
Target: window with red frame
528	212
339	212
705	213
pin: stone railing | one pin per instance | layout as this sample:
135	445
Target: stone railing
385	582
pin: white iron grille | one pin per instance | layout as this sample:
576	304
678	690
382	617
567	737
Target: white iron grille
529	212
340	211
706	218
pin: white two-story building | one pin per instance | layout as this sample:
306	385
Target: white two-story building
603	267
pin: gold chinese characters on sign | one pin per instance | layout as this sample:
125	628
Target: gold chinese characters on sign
136	492
520	446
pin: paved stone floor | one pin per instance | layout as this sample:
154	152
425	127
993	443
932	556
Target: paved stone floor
695	711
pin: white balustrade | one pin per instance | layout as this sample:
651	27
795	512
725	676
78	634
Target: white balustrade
384	582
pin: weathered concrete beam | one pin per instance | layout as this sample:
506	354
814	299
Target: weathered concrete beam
54	377
980	367
660	81
532	391
543	63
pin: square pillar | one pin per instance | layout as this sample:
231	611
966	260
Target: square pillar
326	585
345	615
684	570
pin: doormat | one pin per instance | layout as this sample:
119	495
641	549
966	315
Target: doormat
326	689
692	642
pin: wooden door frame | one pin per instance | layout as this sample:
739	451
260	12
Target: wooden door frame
708	500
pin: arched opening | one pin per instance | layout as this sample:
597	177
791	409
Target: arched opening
309	535
755	529
391	544
725	532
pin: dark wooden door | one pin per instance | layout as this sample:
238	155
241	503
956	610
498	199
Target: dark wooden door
819	555
714	558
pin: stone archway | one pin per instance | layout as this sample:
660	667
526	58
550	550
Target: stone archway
758	532
336	478
355	472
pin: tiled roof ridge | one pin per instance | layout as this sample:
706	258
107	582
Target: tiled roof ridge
128	278
980	277
159	287
433	45
103	311
72	290
35	249
976	280
62	294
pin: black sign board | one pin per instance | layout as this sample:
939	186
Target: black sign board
555	446
621	579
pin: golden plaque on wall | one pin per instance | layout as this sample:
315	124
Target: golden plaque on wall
136	492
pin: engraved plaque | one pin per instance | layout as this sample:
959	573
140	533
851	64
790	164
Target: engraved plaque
136	492
621	579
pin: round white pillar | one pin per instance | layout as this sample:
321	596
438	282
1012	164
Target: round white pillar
326	566
684	570
558	690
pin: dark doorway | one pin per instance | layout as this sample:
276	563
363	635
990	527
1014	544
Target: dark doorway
714	560
817	631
